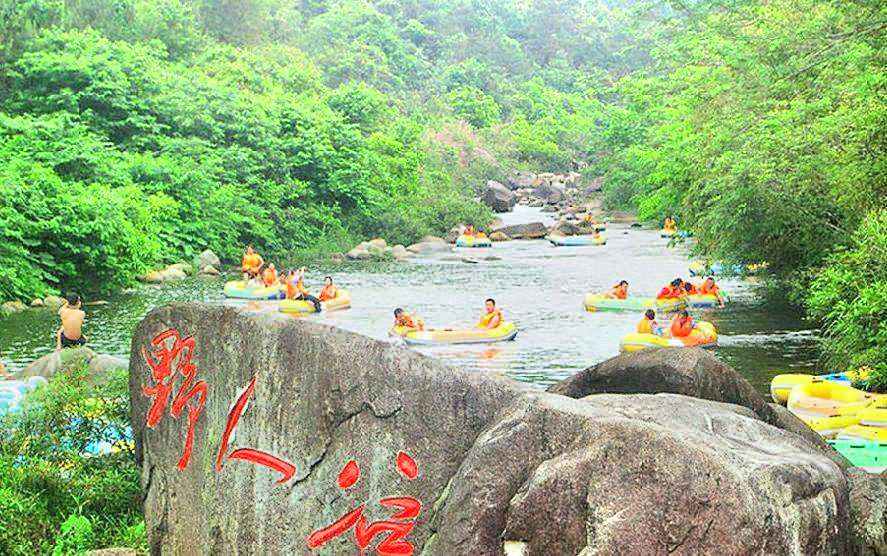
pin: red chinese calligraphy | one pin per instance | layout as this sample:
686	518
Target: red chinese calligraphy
286	469
398	526
191	393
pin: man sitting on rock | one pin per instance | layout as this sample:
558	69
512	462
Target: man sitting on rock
492	318
70	333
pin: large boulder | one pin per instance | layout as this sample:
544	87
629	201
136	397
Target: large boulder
429	247
208	258
868	510
53	302
532	230
359	253
567	228
499	236
688	371
550	193
481	461
11	307
498	197
65	360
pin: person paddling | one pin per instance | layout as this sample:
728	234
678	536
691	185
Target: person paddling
329	291
295	289
406	320
619	291
670	223
251	264
709	287
70	333
492	318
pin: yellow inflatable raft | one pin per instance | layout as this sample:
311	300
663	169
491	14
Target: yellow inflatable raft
599	302
863	432
820	399
782	385
473	241
300	306
238	290
502	333
667	232
704	335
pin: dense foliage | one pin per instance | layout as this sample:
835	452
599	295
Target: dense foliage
54	498
761	125
135	132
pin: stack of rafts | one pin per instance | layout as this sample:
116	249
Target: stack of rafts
854	422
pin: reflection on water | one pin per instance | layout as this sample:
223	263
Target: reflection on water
539	286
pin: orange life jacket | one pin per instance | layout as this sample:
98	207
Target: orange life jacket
269	277
681	328
619	293
406	320
251	262
692	290
488	318
328	292
291	291
669	291
705	289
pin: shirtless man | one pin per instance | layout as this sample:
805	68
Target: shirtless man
70	333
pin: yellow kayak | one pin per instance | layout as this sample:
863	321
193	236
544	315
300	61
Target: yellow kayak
819	399
704	335
300	306
504	332
238	290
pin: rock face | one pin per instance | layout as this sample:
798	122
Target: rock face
567	228
549	193
692	372
498	197
58	361
533	230
868	511
497	463
429	246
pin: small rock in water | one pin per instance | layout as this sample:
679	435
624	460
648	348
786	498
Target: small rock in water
469	261
37	303
492	258
209	270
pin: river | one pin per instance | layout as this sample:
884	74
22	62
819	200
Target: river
538	286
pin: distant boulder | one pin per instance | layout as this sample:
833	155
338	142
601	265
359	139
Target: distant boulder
98	365
549	193
208	258
532	230
566	228
498	197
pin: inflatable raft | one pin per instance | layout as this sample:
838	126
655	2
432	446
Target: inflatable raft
597	302
820	399
704	300
301	307
575	241
782	385
238	290
502	333
473	241
666	232
704	335
871	455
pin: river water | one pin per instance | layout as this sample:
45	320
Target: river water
538	286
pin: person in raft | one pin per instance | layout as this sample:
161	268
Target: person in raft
619	291
295	289
251	264
492	318
269	277
669	223
681	325
690	289
649	324
70	333
329	291
406	320
710	288
674	289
